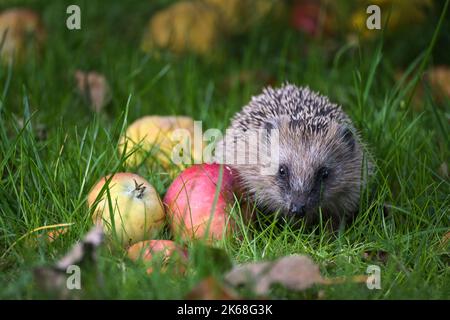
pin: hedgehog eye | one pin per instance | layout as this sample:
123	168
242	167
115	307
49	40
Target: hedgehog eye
283	171
323	173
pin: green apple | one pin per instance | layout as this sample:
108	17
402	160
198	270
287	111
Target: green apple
137	211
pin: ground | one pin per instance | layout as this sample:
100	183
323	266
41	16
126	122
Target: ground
45	180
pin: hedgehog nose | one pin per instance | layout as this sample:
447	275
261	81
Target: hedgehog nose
297	209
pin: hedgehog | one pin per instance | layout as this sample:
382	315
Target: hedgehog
307	160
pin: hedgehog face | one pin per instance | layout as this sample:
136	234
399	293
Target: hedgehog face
317	169
319	164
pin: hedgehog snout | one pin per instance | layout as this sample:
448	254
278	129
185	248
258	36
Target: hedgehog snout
298	204
297	209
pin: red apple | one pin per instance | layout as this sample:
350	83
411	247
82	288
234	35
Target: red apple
191	204
311	17
166	249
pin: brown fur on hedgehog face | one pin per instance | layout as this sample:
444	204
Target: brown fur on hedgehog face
317	169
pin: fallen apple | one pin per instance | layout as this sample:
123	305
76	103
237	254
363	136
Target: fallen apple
184	26
137	212
238	16
20	29
193	207
167	250
154	138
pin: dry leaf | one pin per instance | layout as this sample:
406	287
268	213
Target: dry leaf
211	289
84	250
94	87
18	29
53	278
295	272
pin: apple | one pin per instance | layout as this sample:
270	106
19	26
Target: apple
184	26
191	205
152	136
165	249
137	214
238	16
22	28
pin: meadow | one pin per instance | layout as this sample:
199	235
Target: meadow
54	148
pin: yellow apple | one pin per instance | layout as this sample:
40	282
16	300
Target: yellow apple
20	28
152	140
185	26
137	211
238	16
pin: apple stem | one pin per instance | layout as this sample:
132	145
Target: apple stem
140	189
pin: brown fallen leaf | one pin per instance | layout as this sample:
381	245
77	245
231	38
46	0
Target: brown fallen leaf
211	289
94	87
295	272
19	28
52	279
84	250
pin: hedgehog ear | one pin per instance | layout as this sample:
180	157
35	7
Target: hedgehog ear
348	137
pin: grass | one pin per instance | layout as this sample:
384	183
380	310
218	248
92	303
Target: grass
404	211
